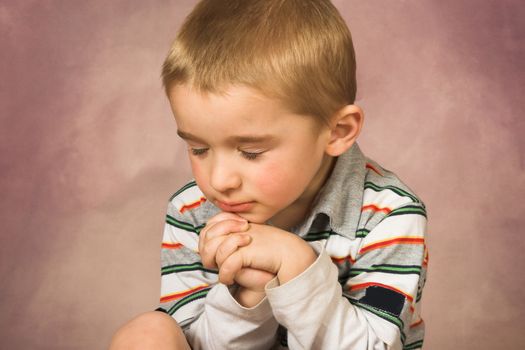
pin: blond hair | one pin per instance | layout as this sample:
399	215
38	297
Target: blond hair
299	51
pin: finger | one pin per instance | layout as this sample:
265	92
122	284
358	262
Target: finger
253	279
215	229
224	216
208	251
219	228
253	274
229	245
225	228
230	267
210	247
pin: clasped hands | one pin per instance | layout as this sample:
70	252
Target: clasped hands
252	254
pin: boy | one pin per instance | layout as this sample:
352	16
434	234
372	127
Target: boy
288	237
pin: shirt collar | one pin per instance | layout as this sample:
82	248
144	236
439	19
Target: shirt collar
341	197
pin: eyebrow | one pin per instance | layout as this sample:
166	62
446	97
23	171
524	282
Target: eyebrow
232	139
187	136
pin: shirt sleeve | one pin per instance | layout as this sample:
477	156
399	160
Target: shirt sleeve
374	306
204	308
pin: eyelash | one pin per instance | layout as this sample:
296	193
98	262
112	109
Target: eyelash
247	155
198	151
250	155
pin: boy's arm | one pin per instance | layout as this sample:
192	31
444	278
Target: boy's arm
378	304
192	295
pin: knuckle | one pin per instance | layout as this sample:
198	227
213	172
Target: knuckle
205	253
207	250
208	263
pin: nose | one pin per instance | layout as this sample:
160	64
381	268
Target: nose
224	177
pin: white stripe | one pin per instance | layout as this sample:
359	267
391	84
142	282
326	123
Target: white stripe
405	283
384	199
182	281
174	234
189	196
396	227
339	246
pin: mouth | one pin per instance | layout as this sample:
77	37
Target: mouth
235	207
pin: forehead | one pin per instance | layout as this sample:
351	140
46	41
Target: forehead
238	110
186	100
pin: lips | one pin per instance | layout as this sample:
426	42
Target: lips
235	207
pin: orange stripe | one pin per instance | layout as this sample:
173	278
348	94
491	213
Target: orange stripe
342	259
399	240
192	205
417	323
178	295
375	208
166	245
373	168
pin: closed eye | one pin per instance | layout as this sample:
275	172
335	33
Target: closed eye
251	155
198	151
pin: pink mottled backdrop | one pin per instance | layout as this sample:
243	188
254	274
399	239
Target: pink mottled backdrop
90	158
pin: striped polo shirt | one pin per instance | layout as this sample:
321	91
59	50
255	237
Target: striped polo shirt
371	225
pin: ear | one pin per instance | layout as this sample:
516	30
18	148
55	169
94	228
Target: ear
345	126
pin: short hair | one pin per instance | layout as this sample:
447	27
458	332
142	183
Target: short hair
299	51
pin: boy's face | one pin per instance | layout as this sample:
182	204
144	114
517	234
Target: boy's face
250	155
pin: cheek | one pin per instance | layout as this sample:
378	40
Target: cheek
199	174
287	177
274	180
195	168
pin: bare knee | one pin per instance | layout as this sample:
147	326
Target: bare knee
150	330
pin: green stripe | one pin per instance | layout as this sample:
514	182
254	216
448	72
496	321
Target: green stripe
384	315
396	190
419	295
183	225
414	345
395	269
316	236
199	295
409	209
199	228
183	188
166	270
362	233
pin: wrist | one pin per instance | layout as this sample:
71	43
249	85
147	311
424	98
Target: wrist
248	298
294	264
